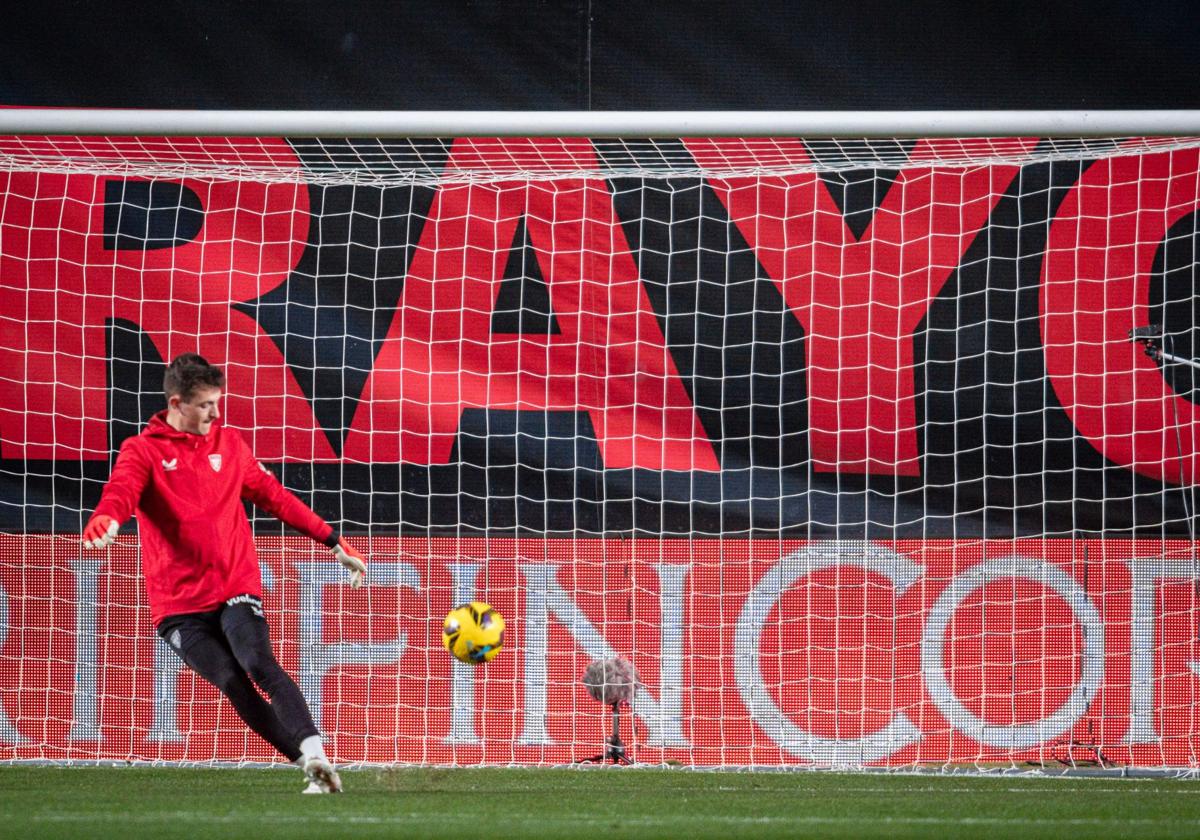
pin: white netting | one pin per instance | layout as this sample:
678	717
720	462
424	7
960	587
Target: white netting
845	445
367	162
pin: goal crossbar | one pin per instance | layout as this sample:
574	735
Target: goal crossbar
867	124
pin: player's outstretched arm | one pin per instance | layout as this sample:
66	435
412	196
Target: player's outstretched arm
261	488
117	502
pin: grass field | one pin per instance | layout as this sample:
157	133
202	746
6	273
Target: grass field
190	804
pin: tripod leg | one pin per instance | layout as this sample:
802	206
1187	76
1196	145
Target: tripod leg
616	747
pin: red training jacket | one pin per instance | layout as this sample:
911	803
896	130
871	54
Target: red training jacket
197	549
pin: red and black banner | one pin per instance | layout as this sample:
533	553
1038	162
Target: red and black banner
912	352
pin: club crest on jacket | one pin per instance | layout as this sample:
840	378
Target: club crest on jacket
215	460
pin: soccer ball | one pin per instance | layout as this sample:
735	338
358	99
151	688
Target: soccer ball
473	633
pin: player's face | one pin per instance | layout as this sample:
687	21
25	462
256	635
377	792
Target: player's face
197	413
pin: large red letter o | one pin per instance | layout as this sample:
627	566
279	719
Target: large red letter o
1095	288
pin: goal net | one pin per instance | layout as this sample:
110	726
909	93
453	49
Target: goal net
848	446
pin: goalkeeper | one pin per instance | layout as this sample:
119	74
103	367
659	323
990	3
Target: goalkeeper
186	477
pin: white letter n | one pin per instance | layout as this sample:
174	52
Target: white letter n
544	595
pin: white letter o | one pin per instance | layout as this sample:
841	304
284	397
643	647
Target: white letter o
933	653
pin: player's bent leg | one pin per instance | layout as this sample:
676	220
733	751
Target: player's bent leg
197	639
246	630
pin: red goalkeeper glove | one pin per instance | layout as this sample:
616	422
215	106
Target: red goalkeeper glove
100	531
354	562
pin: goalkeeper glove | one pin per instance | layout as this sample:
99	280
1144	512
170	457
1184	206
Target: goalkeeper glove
354	562
100	531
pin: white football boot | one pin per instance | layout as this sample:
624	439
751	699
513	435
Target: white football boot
321	774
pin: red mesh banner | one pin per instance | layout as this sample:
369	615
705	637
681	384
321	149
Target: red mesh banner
755	652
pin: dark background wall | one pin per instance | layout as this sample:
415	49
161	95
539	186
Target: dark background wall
592	54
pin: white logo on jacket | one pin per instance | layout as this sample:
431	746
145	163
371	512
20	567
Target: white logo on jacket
215	460
169	465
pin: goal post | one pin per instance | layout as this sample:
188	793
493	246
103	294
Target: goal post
869	439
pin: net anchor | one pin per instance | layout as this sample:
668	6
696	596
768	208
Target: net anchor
1151	338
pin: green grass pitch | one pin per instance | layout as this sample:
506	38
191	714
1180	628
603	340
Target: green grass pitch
263	804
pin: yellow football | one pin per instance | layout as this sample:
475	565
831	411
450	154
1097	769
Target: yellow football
473	633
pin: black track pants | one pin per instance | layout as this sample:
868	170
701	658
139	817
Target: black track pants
231	646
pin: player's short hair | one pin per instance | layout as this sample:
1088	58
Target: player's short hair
188	372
